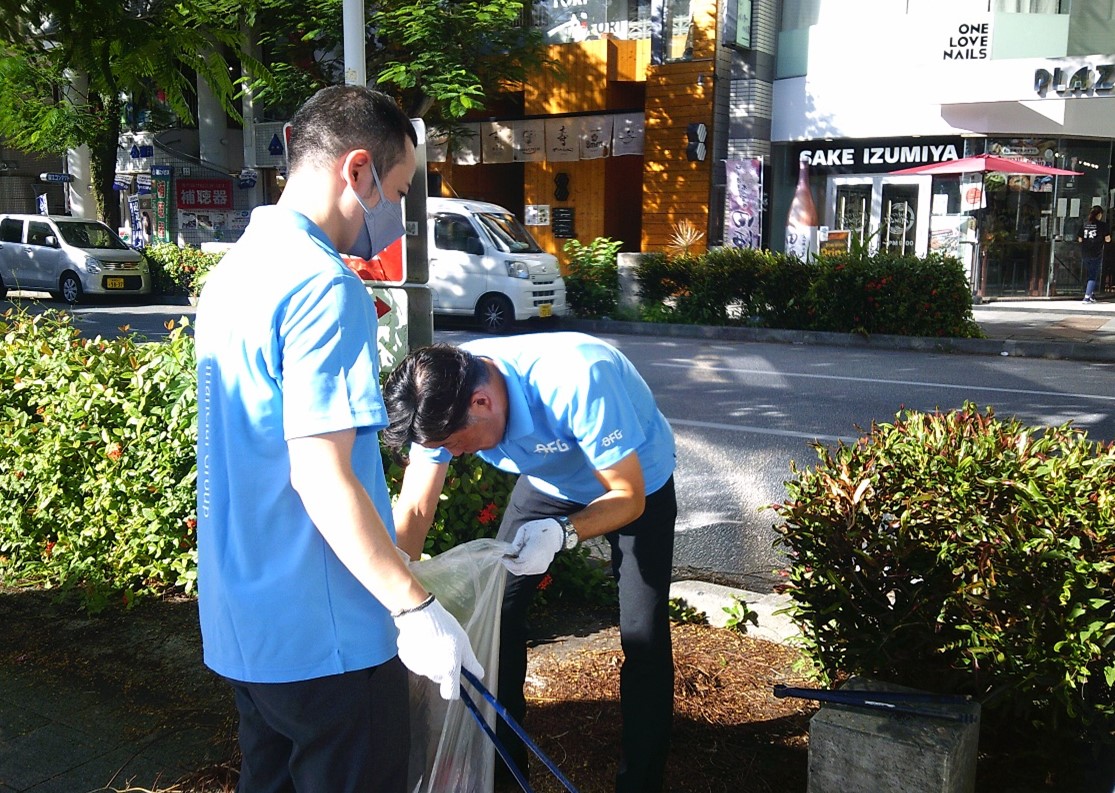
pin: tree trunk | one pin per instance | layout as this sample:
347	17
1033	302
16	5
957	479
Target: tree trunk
103	152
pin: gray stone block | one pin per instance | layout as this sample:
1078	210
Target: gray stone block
855	750
628	263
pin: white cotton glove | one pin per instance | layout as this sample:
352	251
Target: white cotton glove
534	547
433	644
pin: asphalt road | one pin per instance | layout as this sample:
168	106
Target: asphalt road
742	411
108	317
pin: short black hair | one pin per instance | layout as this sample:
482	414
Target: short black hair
340	118
429	393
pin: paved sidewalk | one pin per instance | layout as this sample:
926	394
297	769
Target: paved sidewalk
1064	329
1058	322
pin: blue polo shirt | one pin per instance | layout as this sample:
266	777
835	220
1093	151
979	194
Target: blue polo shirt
575	405
286	348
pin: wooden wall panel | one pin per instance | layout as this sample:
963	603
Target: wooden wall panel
674	188
586	197
579	83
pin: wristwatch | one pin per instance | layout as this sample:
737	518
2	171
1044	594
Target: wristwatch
571	538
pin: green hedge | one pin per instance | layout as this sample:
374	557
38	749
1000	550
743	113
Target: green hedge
179	271
852	292
958	552
98	473
592	277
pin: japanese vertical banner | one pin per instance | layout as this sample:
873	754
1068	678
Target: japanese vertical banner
160	186
743	203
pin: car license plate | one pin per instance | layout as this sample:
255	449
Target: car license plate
545	310
114	283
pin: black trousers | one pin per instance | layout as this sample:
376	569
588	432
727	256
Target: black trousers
642	562
347	733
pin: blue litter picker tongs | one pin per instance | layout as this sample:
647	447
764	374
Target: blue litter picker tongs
514	725
909	703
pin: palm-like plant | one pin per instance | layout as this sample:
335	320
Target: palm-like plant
686	236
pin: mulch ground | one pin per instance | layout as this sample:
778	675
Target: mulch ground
730	733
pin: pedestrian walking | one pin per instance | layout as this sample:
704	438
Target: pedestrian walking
595	456
1093	234
306	607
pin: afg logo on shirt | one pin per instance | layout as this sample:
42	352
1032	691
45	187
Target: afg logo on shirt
608	440
552	447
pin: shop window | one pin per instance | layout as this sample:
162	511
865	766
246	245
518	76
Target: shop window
678	30
1032	6
798	14
563	22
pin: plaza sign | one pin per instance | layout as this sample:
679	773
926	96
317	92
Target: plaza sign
1084	81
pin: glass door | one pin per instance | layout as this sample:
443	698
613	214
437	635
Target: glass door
853	209
889	212
899	219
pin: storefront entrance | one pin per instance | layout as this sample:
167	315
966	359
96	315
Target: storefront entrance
890	213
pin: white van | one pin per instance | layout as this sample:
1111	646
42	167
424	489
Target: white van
484	263
68	257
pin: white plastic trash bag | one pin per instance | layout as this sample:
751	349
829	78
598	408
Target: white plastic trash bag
449	751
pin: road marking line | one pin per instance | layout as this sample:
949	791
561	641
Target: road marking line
711	425
885	382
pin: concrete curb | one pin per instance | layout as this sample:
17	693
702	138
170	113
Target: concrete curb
1075	351
712	599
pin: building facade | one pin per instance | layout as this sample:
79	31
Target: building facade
869	87
628	137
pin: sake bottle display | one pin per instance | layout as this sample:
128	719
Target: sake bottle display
801	222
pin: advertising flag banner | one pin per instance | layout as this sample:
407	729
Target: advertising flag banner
466	150
498	141
596	136
530	140
138	239
743	203
628	131
562	140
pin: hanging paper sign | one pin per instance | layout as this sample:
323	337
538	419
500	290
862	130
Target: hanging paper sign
143	183
437	144
498	142
595	137
627	134
562	140
467	145
530	140
248	178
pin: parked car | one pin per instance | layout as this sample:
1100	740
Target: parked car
484	263
68	257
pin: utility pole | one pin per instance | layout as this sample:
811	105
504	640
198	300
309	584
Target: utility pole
353	18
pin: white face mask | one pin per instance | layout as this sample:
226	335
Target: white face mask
383	224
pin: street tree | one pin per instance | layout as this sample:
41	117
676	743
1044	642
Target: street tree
440	58
68	69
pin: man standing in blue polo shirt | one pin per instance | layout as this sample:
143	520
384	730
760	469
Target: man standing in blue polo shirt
571	415
306	606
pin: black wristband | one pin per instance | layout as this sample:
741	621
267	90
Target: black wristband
396	614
